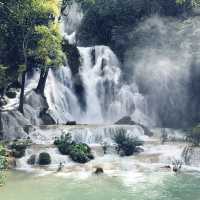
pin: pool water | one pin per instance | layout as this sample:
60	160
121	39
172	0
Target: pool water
144	186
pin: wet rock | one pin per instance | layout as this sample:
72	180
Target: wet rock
18	148
44	159
128	121
11	162
32	160
46	118
99	171
71	123
3	101
11	94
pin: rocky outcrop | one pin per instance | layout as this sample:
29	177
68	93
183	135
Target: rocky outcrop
74	62
13	124
128	121
98	171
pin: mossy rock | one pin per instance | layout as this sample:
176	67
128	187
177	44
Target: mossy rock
44	159
80	153
11	94
18	148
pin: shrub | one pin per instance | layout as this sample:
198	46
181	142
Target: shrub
80	153
2	150
63	143
44	159
194	136
126	145
3	164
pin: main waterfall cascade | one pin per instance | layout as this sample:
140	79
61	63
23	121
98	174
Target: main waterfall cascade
107	98
155	85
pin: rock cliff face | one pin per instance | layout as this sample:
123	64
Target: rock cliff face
13	123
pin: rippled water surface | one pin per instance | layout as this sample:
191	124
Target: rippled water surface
145	186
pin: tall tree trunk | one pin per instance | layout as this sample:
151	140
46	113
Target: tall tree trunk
42	81
21	100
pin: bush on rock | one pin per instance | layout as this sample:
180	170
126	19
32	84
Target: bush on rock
63	143
126	145
80	153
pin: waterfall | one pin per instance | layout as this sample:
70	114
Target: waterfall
107	98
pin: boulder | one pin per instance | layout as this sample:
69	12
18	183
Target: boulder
11	94
32	160
44	159
71	123
18	148
99	171
128	121
46	118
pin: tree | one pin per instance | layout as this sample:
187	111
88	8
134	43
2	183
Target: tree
48	52
19	21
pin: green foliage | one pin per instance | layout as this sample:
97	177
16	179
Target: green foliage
24	26
64	143
180	1
3	164
44	159
49	49
196	3
126	145
80	153
2	150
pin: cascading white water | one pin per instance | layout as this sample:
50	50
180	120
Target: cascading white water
107	98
